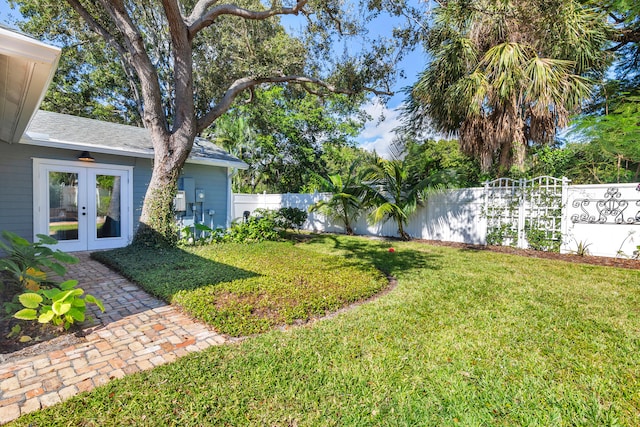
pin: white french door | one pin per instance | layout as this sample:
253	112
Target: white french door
82	206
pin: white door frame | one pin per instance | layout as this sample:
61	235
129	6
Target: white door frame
86	177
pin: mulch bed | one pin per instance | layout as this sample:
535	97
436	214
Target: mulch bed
593	260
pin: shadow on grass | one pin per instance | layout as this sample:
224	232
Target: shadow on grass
164	272
376	252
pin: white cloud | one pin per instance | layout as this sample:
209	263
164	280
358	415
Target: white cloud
378	134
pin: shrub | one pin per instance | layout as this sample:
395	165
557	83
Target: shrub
290	218
200	234
262	225
257	228
26	264
25	261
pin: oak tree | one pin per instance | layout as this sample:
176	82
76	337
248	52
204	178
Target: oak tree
186	63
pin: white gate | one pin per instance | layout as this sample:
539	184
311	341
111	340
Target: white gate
525	213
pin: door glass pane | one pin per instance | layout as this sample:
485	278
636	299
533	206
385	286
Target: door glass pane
63	205
107	206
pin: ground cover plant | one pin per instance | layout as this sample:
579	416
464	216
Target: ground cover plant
467	337
243	289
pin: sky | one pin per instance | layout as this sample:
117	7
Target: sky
377	134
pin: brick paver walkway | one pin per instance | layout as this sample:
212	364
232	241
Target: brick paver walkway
136	332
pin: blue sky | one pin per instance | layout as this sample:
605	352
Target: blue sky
377	134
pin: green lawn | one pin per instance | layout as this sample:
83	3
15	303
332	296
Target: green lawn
467	338
245	289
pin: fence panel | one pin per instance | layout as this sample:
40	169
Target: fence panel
454	215
606	217
525	213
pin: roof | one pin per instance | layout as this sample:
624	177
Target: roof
79	133
27	67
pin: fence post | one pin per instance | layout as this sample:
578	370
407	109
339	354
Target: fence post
486	210
522	186
564	212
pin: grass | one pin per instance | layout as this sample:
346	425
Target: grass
245	289
467	338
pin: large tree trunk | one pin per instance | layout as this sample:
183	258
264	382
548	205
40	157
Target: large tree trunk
157	226
518	154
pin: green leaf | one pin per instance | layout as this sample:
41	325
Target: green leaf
65	295
15	239
57	268
76	314
78	302
93	300
60	307
66	258
30	300
69	284
7	264
15	330
26	314
46	316
51	293
46	240
25	338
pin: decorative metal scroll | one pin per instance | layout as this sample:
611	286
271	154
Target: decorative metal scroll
612	209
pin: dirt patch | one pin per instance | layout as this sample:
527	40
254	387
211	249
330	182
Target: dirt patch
52	343
38	334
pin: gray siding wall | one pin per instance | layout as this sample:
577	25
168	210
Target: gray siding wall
16	184
213	180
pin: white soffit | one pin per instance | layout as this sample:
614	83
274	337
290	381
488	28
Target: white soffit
27	67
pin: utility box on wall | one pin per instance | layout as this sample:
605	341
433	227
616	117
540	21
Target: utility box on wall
199	195
188	185
179	202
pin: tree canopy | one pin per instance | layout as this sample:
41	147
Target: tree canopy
505	75
186	63
287	137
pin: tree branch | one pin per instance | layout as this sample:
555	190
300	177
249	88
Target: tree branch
203	15
616	19
99	29
250	82
154	117
120	50
625	36
184	120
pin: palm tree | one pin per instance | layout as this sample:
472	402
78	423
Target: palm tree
345	203
392	195
507	74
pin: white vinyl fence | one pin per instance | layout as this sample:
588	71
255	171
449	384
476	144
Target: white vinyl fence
604	217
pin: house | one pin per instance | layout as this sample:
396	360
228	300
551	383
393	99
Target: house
83	181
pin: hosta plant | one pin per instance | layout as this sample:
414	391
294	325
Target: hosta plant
61	306
26	261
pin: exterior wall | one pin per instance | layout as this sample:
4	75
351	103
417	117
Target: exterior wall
16	189
16	177
16	184
213	180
